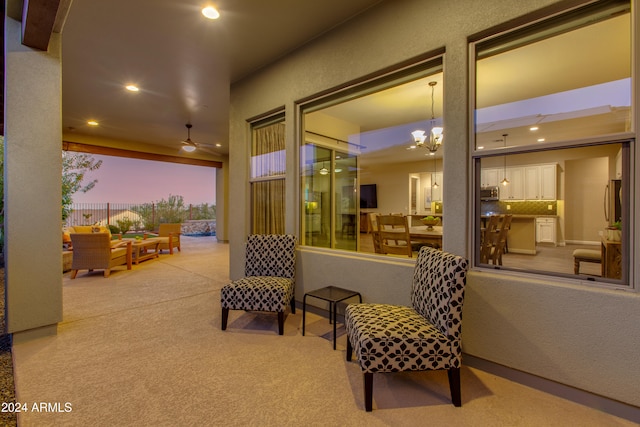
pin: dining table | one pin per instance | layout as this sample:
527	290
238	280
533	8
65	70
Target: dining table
422	234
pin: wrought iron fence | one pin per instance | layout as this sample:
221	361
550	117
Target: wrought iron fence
136	217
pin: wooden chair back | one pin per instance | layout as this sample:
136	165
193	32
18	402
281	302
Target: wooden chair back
394	235
489	238
501	240
375	235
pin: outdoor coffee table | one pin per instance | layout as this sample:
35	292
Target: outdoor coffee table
144	249
333	295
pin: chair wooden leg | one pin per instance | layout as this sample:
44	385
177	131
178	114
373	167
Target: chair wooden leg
281	323
107	272
225	318
293	305
74	273
454	386
368	391
349	349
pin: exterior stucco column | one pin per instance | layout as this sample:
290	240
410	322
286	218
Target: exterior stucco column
33	170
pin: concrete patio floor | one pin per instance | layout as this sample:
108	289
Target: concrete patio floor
144	347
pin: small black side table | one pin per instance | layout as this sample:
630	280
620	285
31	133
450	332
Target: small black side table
333	295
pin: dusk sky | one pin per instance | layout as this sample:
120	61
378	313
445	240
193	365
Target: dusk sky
122	180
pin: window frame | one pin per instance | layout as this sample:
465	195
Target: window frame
415	68
529	25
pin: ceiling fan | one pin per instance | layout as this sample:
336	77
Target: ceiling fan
188	145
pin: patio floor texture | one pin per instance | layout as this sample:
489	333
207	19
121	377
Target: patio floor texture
144	347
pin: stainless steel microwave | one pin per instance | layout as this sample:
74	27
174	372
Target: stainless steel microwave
490	193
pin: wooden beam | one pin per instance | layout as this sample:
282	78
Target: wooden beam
119	152
38	19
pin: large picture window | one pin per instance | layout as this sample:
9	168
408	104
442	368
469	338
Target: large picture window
552	144
359	158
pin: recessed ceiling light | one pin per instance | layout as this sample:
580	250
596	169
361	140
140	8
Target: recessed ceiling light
532	128
132	88
481	147
218	145
92	123
540	139
210	12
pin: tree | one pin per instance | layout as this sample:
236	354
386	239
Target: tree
74	168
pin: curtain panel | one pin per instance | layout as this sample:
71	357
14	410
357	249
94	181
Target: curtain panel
268	186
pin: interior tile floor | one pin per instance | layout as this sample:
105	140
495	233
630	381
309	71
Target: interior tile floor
144	348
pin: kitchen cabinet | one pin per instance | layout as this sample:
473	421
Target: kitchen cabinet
490	177
531	182
541	182
546	230
515	189
548	181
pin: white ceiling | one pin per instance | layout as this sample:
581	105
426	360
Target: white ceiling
183	63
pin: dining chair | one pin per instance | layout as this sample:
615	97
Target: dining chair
501	241
269	282
375	235
488	239
393	231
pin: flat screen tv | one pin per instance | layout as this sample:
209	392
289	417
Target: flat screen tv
368	196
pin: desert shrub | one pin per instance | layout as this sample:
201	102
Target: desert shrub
124	224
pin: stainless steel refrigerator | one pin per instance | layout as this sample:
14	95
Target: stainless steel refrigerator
613	201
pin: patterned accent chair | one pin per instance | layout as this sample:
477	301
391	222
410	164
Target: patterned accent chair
269	281
388	338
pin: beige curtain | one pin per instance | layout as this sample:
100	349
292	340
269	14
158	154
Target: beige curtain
267	196
267	151
268	207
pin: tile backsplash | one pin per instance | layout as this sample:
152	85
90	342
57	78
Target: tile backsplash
524	207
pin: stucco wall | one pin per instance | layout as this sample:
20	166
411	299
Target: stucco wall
32	143
567	332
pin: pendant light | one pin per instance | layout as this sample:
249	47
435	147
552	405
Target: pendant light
324	170
505	181
435	183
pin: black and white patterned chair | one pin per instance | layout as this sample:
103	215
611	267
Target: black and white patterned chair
389	338
269	281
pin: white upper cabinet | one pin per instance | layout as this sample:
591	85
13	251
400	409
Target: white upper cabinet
489	177
533	182
548	181
515	189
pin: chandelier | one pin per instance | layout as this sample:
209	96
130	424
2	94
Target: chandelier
435	136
